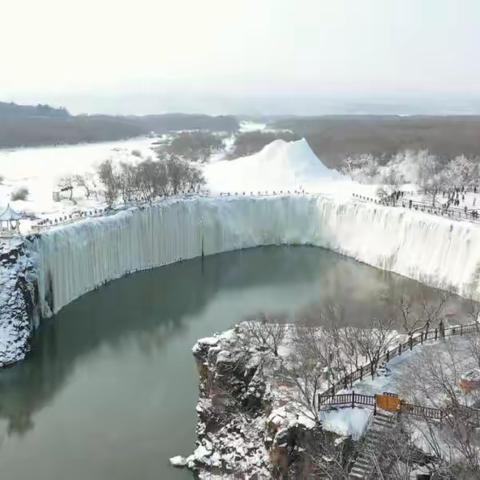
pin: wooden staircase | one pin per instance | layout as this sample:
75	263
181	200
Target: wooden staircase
372	445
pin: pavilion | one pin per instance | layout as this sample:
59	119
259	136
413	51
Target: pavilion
10	221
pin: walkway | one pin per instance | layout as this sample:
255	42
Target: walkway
372	445
454	213
417	338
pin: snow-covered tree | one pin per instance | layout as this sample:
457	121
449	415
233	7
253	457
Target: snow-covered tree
363	168
461	171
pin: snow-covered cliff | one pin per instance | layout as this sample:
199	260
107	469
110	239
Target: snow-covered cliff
73	260
18	301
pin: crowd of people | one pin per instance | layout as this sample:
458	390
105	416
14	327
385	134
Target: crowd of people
456	198
453	201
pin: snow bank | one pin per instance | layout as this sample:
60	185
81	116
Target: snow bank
75	259
279	166
347	421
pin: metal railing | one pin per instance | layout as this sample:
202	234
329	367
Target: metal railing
453	213
51	222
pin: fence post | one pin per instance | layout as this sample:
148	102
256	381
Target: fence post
421	338
353	398
410	342
436	332
461	329
399	349
361	372
388	356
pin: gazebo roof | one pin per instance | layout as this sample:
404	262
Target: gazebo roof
9	215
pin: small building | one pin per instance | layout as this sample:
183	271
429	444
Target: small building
10	221
470	380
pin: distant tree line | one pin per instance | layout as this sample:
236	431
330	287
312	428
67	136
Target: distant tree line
43	125
14	110
174	122
195	146
336	137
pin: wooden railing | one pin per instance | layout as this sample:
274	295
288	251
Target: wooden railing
423	412
346	400
369	369
469	415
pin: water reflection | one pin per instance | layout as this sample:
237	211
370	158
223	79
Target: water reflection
109	388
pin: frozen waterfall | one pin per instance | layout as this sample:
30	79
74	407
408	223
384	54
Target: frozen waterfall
75	259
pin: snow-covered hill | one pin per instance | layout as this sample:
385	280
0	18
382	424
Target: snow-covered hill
279	166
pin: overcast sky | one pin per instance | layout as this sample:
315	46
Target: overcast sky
271	56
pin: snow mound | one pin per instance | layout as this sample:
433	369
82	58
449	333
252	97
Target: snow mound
347	422
279	166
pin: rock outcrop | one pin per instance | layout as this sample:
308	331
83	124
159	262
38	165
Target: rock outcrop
18	301
245	428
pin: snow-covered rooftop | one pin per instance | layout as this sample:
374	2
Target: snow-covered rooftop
9	215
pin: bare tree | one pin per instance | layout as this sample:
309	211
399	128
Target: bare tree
87	182
65	184
148	179
326	458
433	309
110	181
433	380
152	179
375	341
306	375
404	309
182	175
265	331
473	308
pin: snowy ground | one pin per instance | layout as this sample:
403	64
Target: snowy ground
39	169
454	354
